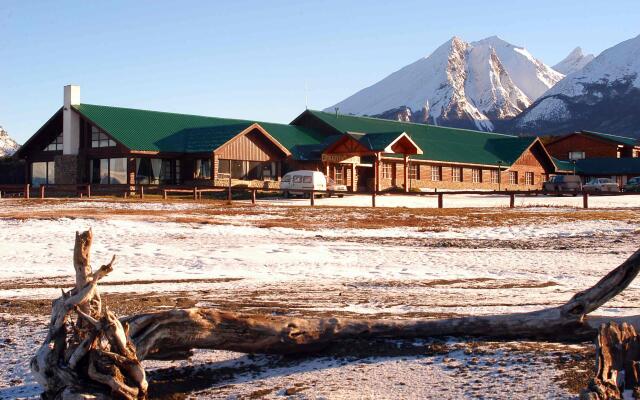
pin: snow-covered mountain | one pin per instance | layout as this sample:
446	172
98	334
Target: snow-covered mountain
8	146
460	84
575	61
602	96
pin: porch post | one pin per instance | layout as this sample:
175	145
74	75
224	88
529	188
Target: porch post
354	180
229	184
406	173
376	173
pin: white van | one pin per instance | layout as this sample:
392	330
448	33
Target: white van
293	182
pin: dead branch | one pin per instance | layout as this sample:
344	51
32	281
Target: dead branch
179	331
100	351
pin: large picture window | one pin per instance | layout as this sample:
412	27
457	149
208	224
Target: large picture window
156	171
108	171
43	173
246	170
203	168
56	145
100	139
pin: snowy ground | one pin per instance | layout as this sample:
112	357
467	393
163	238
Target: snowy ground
290	260
469	200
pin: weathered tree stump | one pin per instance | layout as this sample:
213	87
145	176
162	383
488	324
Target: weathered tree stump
617	363
97	354
91	355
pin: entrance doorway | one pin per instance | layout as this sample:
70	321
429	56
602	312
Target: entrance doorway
365	178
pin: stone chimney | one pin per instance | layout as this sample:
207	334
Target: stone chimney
70	121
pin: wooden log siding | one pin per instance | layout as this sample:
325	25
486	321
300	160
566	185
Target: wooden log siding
529	161
252	146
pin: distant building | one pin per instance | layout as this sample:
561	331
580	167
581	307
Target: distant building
104	145
585	144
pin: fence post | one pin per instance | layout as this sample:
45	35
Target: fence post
141	192
195	193
164	194
42	191
512	200
253	196
585	200
312	198
440	200
89	191
27	187
373	198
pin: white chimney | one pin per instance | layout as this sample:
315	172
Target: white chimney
70	121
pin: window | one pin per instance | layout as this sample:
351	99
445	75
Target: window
495	176
297	179
43	173
476	175
118	171
108	171
100	139
56	145
178	172
387	171
414	171
436	173
339	175
456	174
306	179
528	178
513	177
245	170
577	155
203	168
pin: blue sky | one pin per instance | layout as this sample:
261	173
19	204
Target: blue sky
253	59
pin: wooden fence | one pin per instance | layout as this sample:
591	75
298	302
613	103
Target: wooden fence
196	193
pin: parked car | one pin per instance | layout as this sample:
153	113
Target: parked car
563	183
601	185
633	185
298	182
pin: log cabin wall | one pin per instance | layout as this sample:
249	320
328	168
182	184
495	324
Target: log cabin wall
530	162
592	147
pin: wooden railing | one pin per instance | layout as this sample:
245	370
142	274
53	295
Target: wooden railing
196	193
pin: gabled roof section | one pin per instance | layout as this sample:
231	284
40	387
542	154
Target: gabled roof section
34	139
383	141
437	143
613	138
143	130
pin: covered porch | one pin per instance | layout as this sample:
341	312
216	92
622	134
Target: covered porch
354	158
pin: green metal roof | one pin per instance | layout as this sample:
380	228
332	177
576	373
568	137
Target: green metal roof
145	130
437	143
614	138
608	166
601	166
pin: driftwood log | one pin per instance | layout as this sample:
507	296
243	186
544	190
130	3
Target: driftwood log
100	355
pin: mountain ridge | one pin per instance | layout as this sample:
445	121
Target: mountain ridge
461	84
